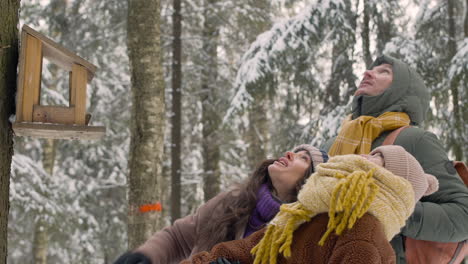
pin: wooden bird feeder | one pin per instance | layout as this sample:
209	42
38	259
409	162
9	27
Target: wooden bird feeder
57	122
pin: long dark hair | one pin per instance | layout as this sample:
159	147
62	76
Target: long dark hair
238	206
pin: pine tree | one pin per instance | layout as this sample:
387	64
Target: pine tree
437	50
147	126
257	134
90	175
210	98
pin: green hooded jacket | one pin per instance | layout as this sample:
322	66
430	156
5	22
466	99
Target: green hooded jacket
442	216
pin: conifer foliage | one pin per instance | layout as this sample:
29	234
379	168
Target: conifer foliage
259	77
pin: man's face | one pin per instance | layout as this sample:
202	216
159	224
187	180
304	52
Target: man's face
376	81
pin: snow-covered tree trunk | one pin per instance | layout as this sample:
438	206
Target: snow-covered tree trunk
385	28
176	116
147	123
40	243
41	234
257	133
209	99
342	62
8	63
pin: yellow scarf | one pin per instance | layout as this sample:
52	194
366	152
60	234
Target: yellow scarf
346	187
356	136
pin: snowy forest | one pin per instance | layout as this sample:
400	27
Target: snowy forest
229	84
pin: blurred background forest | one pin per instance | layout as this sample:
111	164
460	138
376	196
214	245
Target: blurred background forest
257	77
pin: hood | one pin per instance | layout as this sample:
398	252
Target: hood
407	94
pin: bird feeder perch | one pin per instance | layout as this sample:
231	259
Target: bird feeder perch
57	122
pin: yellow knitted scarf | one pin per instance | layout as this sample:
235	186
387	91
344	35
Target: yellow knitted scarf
356	136
346	187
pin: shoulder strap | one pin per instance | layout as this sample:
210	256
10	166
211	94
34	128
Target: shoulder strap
462	171
390	139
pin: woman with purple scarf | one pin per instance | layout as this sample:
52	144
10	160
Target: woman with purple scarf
234	214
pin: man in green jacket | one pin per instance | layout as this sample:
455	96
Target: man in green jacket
392	95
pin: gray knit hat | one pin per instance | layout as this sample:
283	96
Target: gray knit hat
403	164
318	156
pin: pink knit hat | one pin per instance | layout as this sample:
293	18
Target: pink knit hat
401	163
318	156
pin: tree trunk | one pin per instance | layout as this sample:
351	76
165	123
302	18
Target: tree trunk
257	134
342	63
452	48
41	234
385	27
41	242
465	24
8	64
147	124
176	116
365	35
210	98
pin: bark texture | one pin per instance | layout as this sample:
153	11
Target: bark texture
8	64
257	134
41	234
452	48
210	100
147	125
176	117
365	34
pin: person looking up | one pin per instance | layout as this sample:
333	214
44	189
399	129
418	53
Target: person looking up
392	95
234	214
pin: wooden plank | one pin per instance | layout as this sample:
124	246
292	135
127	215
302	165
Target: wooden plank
54	114
32	77
78	93
70	94
20	81
56	131
61	56
37	88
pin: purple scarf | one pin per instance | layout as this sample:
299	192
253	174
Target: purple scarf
266	208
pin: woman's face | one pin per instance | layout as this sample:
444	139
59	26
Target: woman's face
287	171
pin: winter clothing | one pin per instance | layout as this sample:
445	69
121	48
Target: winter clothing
369	236
318	156
179	241
356	135
442	215
224	261
133	258
406	94
364	243
267	207
182	239
346	187
401	163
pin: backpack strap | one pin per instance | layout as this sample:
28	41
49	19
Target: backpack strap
462	171
390	139
461	248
